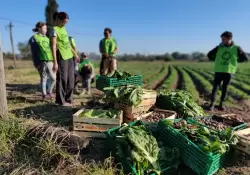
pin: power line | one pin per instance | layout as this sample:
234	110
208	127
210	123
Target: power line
29	24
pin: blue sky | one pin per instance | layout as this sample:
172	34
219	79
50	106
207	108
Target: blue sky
145	26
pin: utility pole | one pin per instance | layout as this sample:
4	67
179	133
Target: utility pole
10	26
3	96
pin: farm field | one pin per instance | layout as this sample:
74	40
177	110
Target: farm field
25	103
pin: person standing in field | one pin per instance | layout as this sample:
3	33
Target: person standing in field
76	60
43	59
64	63
226	57
87	72
108	49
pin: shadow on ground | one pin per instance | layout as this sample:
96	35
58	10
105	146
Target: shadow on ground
23	88
49	112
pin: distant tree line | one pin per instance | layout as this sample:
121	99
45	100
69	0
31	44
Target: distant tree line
25	53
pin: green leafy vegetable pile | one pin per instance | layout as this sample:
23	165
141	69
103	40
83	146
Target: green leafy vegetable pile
208	140
180	101
142	150
128	94
99	113
119	74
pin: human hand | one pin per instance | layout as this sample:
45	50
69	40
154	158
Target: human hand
77	59
55	67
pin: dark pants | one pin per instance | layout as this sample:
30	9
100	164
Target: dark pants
65	80
101	66
218	78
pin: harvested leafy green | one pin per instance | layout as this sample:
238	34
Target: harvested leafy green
142	149
180	101
208	140
119	74
129	94
99	113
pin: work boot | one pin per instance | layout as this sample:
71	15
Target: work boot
221	106
211	106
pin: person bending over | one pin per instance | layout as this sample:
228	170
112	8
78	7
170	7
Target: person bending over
86	71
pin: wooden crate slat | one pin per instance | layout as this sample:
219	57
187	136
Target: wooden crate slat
116	121
90	134
92	127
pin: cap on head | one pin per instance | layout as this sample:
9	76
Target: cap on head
83	54
227	34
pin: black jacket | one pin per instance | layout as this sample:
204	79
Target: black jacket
242	56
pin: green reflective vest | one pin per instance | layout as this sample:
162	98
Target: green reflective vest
85	61
72	42
63	43
44	46
108	45
226	59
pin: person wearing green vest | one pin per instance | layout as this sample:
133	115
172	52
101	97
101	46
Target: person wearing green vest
108	49
43	59
64	63
226	57
87	72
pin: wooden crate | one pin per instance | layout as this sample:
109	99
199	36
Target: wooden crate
94	127
148	101
153	125
171	114
244	142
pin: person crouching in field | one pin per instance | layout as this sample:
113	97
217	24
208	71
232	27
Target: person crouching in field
108	49
43	59
226	56
64	63
87	72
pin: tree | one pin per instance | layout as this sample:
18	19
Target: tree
50	9
24	49
176	55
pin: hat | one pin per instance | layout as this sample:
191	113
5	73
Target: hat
83	54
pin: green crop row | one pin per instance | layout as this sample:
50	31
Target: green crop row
160	74
169	82
188	83
232	90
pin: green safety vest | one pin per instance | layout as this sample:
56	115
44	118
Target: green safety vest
108	45
63	43
226	59
44	46
72	42
85	61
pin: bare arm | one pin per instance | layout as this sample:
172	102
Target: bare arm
116	49
54	42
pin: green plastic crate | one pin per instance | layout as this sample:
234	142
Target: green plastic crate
116	150
104	81
199	161
238	125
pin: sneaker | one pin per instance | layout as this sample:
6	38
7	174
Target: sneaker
67	105
211	107
46	97
221	107
88	92
51	95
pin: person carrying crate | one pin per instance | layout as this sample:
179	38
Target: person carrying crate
108	49
226	57
87	73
